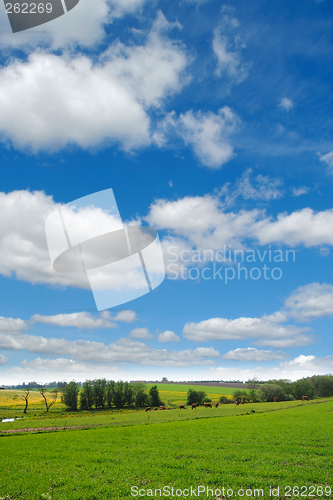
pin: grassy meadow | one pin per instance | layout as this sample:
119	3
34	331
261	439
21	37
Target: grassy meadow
102	454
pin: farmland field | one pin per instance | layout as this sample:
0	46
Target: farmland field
251	446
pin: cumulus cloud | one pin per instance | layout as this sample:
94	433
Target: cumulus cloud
253	355
125	316
286	103
311	301
168	336
122	351
50	101
141	333
228	46
11	325
82	320
265	332
206	133
3	360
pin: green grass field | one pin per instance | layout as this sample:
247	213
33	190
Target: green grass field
280	444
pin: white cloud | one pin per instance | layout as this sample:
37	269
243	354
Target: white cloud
3	360
82	26
125	316
206	133
122	351
11	325
309	365
286	103
265	332
168	336
51	101
228	46
141	333
82	320
261	187
300	190
311	301
253	355
302	366
328	158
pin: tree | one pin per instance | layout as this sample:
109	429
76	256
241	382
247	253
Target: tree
301	388
164	379
194	396
99	386
86	396
109	392
25	397
118	397
70	394
154	397
128	393
139	395
54	397
268	392
251	386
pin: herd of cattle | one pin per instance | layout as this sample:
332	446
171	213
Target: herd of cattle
194	406
182	407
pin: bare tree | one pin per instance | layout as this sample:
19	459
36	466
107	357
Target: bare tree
25	397
54	397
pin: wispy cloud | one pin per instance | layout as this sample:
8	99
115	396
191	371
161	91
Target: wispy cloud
228	46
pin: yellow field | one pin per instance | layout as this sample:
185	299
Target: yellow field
15	398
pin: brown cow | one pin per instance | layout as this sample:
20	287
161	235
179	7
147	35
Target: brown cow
194	406
207	405
155	409
216	405
237	403
305	398
162	407
148	408
276	400
241	402
181	407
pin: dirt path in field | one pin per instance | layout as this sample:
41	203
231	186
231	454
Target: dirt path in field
42	429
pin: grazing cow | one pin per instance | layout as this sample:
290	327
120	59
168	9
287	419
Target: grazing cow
148	408
181	407
155	409
237	403
207	405
194	406
162	408
305	398
276	400
241	402
216	405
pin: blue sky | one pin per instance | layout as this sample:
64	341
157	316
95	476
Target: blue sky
212	123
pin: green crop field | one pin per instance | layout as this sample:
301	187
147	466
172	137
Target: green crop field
254	446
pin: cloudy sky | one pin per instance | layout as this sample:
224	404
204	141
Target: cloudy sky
212	123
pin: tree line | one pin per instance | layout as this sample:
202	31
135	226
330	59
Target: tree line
102	393
317	386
